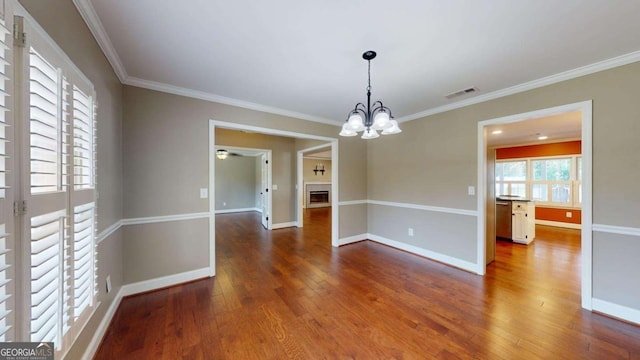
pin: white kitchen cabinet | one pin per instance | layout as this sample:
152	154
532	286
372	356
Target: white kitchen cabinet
523	221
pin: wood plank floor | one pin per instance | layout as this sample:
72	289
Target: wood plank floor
288	294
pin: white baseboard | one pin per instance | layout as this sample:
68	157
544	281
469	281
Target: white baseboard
559	224
615	310
229	211
352	239
284	225
445	259
161	282
91	349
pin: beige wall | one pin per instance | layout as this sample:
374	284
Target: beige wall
434	160
283	167
236	183
166	145
62	22
308	164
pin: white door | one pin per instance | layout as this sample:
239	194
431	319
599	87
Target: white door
264	190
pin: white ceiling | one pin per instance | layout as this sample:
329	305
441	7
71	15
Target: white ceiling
303	58
557	128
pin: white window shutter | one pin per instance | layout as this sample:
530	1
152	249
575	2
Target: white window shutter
45	129
83	140
47	268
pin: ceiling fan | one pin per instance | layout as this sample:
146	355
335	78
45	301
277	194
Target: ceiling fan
223	154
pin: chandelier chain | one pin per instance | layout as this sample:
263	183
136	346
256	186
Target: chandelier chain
369	75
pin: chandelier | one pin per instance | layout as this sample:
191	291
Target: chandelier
367	119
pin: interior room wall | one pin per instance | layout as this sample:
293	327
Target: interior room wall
62	22
236	183
309	164
555	214
431	164
283	167
166	141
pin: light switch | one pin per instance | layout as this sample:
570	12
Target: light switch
471	190
274	187
204	193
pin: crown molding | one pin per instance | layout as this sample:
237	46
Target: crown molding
196	94
88	13
548	80
90	17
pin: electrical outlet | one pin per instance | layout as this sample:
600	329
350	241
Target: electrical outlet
108	284
410	231
569	214
471	190
274	187
224	203
204	193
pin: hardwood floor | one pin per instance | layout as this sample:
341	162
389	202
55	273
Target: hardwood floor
288	294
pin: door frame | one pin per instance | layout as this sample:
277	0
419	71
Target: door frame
300	180
213	124
585	107
260	153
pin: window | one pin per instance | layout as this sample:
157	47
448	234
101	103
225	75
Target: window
511	178
55	167
553	181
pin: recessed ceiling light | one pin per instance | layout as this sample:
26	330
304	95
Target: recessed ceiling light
543	137
496	132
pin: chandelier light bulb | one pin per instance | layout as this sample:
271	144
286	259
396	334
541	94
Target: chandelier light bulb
370	134
347	131
381	121
355	121
393	129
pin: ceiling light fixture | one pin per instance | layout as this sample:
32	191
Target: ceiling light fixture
367	119
222	154
496	132
543	137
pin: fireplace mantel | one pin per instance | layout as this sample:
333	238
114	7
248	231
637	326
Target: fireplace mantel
319	188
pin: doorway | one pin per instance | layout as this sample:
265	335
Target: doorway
308	186
244	181
333	142
485	224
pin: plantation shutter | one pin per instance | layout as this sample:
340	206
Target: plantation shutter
46	136
61	194
83	197
7	253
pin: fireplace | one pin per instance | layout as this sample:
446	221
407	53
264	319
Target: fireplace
318	197
317	194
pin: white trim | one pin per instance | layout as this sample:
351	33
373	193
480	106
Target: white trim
300	183
94	343
164	281
617	311
585	107
425	207
91	18
108	231
201	95
269	131
228	211
284	225
560	224
353	239
547	80
612	229
448	260
165	218
212	199
353	202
